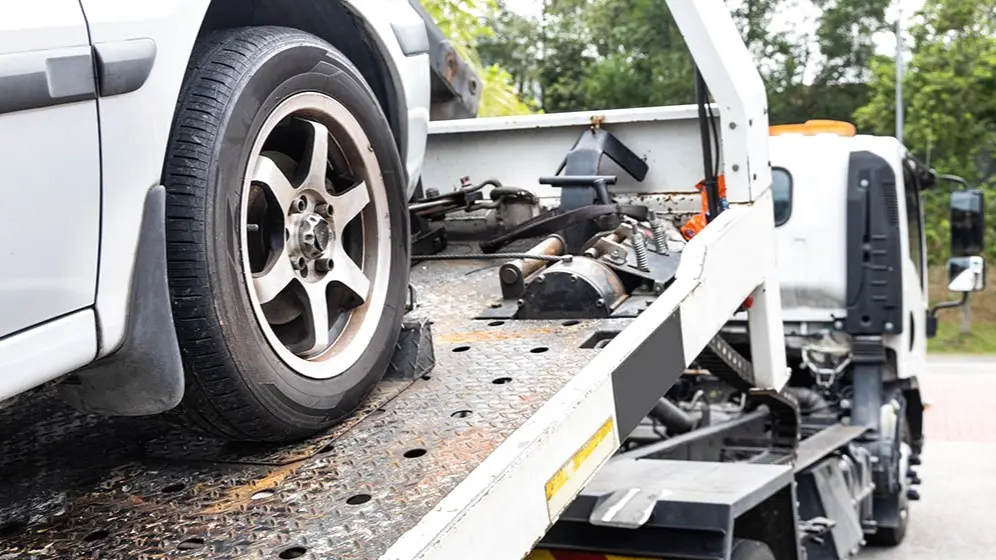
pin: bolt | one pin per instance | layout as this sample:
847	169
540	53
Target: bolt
540	279
736	167
520	303
599	302
889	326
252	227
838	325
574	278
324	265
733	125
431	193
301	204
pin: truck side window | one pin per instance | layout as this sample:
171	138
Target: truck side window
914	222
781	194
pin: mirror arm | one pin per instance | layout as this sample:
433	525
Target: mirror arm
949	304
955	179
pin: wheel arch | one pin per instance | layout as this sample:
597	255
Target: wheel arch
345	25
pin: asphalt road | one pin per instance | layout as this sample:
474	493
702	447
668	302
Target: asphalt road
954	518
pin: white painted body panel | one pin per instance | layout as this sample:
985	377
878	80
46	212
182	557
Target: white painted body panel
812	244
45	352
49	178
520	149
134	130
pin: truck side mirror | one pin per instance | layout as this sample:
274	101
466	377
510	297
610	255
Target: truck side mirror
966	274
966	268
967	223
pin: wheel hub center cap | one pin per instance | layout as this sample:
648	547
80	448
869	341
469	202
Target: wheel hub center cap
314	236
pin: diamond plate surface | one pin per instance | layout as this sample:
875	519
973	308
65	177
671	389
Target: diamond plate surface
79	486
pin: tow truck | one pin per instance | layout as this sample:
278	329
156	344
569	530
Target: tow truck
578	372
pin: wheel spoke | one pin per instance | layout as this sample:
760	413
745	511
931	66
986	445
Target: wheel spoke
267	173
318	156
348	274
348	205
318	316
272	281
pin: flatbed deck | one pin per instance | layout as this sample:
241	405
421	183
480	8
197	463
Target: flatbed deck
74	485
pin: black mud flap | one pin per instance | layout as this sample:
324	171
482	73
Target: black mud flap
144	376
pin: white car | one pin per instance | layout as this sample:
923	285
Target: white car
203	204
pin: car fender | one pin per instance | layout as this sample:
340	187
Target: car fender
135	124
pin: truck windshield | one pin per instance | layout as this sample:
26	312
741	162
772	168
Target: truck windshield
781	193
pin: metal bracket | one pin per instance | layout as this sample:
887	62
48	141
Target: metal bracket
413	354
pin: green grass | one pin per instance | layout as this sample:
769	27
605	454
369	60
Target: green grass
982	338
949	340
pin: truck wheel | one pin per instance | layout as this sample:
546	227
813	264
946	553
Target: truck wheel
287	235
893	536
746	549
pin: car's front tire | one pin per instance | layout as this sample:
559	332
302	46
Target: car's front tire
287	235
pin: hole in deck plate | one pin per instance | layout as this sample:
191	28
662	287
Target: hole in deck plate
461	414
175	487
461	348
326	448
501	380
496	323
426	377
414	453
539	349
11	527
495	305
293	552
599	339
358	499
193	543
262	495
97	535
571	323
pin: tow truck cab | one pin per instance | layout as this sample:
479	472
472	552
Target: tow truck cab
868	278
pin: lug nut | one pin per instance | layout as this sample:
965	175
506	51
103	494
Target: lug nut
324	210
300	263
301	204
324	265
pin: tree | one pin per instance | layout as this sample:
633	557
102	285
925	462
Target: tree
460	22
950	116
604	54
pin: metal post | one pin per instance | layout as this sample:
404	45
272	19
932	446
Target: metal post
899	71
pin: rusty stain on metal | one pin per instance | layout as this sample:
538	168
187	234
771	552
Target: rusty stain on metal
493	335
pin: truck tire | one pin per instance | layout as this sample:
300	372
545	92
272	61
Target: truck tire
746	549
893	536
287	235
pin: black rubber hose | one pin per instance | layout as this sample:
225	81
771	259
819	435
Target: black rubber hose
808	399
676	421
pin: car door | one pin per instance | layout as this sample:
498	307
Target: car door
49	164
